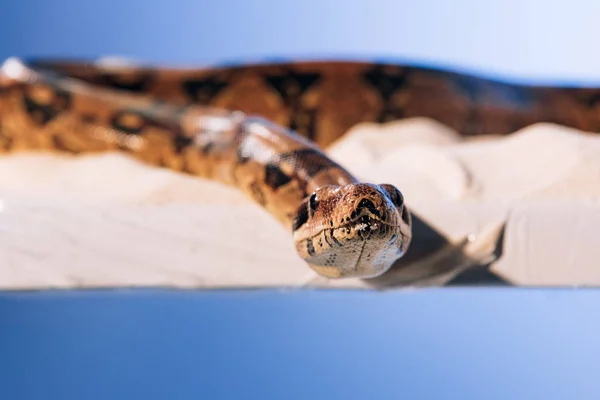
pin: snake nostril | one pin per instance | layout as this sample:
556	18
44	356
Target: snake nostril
369	205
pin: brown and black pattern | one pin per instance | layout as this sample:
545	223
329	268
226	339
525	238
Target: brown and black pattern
275	177
291	87
136	82
388	80
169	118
44	102
203	91
469	104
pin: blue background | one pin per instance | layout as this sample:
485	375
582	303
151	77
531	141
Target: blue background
543	40
439	343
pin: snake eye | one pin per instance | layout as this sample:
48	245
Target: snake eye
313	203
395	195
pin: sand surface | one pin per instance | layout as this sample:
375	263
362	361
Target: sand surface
521	209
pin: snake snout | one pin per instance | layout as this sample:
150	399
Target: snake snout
366	206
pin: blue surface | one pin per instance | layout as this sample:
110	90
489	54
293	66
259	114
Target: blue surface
447	343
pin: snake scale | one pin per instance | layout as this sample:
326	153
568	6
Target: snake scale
261	128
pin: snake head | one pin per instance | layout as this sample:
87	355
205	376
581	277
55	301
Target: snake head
356	230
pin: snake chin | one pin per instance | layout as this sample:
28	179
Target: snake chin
354	231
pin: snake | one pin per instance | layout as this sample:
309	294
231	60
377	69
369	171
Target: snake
262	128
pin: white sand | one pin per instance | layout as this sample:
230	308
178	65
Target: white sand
107	221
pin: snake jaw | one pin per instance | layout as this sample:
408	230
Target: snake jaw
357	230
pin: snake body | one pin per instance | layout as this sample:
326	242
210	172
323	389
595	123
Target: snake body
261	127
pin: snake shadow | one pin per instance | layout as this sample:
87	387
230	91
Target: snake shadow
432	260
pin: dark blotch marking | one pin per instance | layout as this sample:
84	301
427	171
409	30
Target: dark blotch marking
387	80
137	83
368	204
301	217
181	142
291	85
275	177
310	247
118	123
306	163
44	113
203	91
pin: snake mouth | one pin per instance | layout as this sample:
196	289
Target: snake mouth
365	226
366	222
